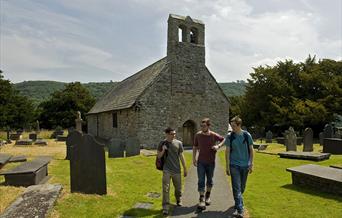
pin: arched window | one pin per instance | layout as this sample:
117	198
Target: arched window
181	34
193	35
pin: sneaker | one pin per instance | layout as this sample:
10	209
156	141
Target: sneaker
201	204
179	203
207	198
165	212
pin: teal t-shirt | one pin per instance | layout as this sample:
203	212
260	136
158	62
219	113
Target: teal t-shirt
239	150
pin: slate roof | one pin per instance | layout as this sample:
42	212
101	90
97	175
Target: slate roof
125	94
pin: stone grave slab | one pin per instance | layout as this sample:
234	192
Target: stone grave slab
116	148
143	205
332	145
153	195
41	142
29	173
87	165
262	147
20	158
24	142
56	133
326	179
132	147
36	201
61	138
304	155
148	153
4	158
337	166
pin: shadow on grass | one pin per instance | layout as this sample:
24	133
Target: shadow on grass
312	192
183	211
140	212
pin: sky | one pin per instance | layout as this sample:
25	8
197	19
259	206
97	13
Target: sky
103	40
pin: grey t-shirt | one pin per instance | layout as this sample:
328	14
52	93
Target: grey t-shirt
175	148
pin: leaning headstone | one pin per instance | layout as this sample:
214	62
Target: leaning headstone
33	136
36	201
132	147
321	138
291	140
116	148
269	136
328	131
87	165
308	140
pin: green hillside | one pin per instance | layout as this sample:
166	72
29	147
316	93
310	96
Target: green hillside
40	91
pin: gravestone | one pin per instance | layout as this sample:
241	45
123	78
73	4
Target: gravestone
291	140
56	133
15	159
87	164
15	136
116	148
79	122
332	145
308	140
33	136
132	147
269	136
321	138
71	141
36	201
328	131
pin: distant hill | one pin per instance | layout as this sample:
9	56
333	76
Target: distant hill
40	91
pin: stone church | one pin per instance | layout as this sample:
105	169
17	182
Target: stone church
177	91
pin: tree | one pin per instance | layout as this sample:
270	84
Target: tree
16	111
62	107
293	94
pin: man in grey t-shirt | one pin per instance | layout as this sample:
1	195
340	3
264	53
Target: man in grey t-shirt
173	149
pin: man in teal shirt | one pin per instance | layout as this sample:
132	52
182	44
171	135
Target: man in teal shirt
239	160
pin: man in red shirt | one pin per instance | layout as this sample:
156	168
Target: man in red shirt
204	144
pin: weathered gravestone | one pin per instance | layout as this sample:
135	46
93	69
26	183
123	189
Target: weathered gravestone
308	140
132	147
33	136
87	164
321	138
15	136
56	133
37	201
116	148
291	140
332	145
328	131
269	136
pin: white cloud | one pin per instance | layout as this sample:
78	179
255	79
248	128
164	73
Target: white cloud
109	40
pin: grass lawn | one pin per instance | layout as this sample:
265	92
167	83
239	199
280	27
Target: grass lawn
128	182
270	192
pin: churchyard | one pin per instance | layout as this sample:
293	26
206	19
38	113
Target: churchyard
133	185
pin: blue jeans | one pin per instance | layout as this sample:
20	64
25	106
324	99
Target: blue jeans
239	179
205	170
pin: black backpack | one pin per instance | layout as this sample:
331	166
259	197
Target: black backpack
245	140
160	161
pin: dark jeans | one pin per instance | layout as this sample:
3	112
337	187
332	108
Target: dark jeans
239	179
205	170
